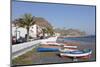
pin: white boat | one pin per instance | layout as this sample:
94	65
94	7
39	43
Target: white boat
70	46
66	50
77	53
57	44
52	43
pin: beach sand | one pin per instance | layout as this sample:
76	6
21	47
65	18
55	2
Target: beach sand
53	57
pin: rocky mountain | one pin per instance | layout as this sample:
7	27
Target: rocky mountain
70	32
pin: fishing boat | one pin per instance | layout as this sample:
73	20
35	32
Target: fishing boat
41	49
66	50
70	47
52	43
77	53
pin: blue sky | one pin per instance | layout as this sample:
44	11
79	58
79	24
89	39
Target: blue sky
59	15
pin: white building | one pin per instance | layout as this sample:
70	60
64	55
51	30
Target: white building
35	30
57	34
21	32
18	31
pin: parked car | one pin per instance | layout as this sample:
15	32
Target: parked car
21	40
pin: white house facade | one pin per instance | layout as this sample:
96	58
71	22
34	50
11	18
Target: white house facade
21	32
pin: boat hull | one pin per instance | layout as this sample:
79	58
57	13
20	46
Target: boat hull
73	54
47	50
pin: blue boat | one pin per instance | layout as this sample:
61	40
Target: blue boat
47	49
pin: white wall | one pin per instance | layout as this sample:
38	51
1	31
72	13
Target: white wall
22	48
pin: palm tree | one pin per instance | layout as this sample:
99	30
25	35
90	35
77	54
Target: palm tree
44	30
50	31
26	21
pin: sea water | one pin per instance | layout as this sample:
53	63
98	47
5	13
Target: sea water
83	40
